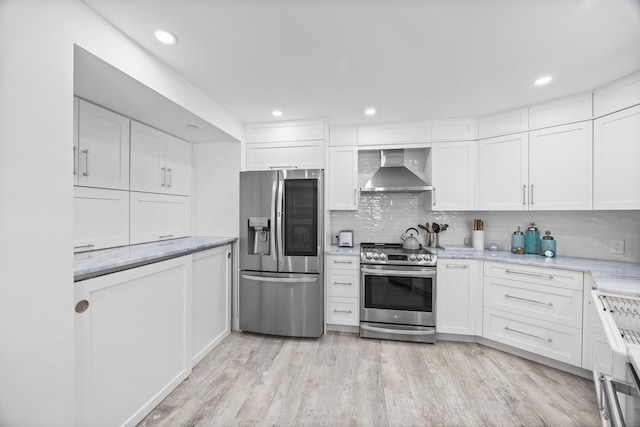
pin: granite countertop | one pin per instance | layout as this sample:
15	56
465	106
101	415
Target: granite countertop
104	261
617	277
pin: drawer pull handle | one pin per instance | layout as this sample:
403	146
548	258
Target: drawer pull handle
506	328
343	262
457	266
342	311
525	273
529	300
166	236
343	283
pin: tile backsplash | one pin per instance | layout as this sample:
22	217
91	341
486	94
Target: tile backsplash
383	217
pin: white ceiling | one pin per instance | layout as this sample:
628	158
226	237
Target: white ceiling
410	59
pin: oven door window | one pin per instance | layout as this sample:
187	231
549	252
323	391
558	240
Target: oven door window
398	293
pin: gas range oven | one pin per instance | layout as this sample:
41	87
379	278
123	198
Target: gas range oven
397	293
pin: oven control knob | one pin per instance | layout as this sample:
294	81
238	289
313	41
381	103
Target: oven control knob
383	256
368	255
376	256
419	257
412	257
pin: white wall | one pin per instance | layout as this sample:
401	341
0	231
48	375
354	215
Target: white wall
36	199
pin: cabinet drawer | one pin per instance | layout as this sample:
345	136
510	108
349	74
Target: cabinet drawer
551	340
540	275
343	262
553	304
342	283
343	311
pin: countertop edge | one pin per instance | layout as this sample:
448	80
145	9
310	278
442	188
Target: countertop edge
88	265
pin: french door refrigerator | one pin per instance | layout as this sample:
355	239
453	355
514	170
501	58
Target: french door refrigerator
281	252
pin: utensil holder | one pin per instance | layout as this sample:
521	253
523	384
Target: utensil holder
433	240
477	239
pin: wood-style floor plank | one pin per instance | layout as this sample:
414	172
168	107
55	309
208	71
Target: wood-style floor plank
343	380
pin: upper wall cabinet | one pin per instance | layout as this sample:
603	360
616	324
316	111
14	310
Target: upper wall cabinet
343	178
617	95
503	123
395	133
453	175
503	172
296	130
100	218
160	163
101	147
297	144
616	175
343	135
454	130
560	111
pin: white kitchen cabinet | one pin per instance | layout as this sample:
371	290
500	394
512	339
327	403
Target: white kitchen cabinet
395	133
617	95
596	352
503	172
535	309
459	297
100	218
504	122
343	135
343	290
158	217
561	111
287	131
160	163
454	129
343	178
560	167
546	169
286	155
132	341
616	175
211	300
101	147
453	175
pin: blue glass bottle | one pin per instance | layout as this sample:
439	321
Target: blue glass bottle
532	239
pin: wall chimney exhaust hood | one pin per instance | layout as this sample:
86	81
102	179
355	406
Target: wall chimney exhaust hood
394	177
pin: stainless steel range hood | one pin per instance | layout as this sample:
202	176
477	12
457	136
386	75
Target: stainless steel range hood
394	177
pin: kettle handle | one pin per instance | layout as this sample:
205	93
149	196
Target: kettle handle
411	228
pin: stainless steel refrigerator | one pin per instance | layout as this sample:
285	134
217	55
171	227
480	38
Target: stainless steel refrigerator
281	252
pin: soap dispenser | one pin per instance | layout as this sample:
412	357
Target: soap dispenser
517	242
548	245
532	239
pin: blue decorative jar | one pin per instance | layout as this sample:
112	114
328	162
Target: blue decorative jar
548	245
517	242
532	239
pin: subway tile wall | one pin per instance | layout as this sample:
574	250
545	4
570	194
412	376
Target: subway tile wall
383	217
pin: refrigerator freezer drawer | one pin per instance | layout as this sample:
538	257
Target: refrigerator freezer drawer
281	304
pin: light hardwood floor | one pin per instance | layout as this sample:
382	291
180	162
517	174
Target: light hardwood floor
341	379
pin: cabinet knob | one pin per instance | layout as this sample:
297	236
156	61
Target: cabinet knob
82	306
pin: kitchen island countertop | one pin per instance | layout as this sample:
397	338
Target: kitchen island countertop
104	261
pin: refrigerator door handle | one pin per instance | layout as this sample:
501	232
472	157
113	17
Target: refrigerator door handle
280	279
275	232
279	215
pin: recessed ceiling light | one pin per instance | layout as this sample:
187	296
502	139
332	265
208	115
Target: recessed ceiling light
542	81
276	113
166	37
370	111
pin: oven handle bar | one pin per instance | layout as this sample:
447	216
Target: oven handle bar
404	273
396	331
611	409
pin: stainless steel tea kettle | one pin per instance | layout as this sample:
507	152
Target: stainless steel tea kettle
410	242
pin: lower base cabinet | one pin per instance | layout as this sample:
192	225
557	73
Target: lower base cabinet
459	297
132	341
139	332
211	300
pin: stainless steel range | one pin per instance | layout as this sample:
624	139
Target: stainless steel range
397	293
